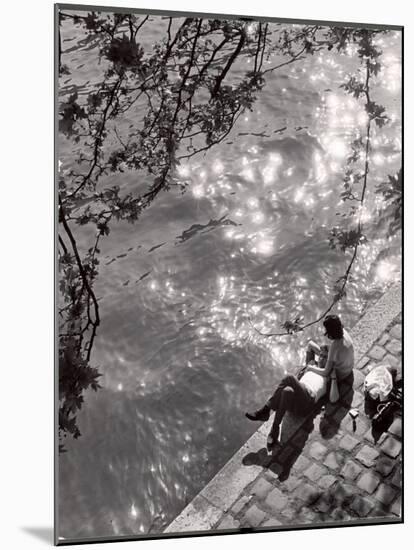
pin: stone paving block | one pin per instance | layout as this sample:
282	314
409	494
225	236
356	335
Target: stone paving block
332	442
339	514
314	472
362	362
265	427
359	378
351	470
342	493
396	331
289	513
368	368
368	482
394	347
240	504
326	481
362	506
384	465
334	460
391	360
385	494
253	516
272	522
228	522
199	515
276	500
357	427
367	455
290	484
383	339
396	507
307	493
261	488
396	478
270	475
391	446
324	503
357	400
301	464
378	511
346	420
377	352
317	450
396	427
348	442
307	515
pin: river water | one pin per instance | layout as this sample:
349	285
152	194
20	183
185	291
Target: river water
248	240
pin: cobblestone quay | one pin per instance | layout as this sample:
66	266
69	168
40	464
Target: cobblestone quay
329	469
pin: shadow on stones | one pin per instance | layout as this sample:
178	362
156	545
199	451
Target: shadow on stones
284	457
258	458
295	432
336	412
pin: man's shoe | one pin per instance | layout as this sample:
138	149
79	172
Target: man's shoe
260	415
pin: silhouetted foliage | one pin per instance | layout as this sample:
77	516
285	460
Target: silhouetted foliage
392	191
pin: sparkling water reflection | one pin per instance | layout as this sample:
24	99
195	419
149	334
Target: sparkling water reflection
249	239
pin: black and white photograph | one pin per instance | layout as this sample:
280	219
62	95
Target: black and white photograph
228	316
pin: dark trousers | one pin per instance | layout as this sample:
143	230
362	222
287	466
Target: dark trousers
290	395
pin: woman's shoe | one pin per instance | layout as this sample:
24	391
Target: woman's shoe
261	415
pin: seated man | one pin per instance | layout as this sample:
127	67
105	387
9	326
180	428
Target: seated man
300	396
292	394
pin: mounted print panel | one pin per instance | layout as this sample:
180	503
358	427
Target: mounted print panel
228	293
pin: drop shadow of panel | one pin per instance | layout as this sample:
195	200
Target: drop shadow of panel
44	534
336	412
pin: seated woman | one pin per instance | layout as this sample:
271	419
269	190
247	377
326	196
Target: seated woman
300	396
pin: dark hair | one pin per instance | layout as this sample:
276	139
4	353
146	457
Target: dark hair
333	327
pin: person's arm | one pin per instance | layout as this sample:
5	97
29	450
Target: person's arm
327	369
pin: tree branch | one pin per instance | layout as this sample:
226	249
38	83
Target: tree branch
230	62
